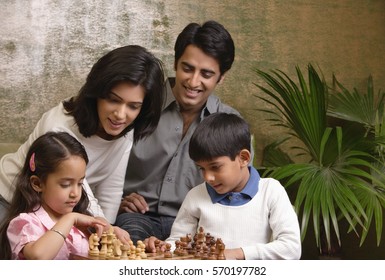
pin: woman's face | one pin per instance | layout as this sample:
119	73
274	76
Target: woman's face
119	109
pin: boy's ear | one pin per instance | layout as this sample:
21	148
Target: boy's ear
35	183
245	157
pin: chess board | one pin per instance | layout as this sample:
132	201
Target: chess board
150	256
202	246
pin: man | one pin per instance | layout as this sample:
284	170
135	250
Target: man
160	171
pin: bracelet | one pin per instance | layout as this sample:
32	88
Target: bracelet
59	232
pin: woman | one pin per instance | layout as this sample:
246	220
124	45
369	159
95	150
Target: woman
119	104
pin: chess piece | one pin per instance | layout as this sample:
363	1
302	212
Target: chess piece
93	251
157	246
103	249
116	248
167	253
124	248
142	247
221	251
110	237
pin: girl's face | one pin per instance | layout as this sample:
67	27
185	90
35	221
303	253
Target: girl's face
63	188
119	109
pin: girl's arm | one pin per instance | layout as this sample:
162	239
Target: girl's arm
49	244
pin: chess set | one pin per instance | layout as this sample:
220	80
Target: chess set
201	246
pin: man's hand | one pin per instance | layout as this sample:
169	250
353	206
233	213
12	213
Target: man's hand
133	203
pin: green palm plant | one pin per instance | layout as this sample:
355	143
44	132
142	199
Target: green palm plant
338	173
367	110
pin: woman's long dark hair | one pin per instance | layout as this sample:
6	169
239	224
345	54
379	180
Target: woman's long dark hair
132	64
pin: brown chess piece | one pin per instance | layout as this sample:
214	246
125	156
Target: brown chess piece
221	251
167	253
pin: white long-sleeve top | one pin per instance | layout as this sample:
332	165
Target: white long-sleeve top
265	228
105	170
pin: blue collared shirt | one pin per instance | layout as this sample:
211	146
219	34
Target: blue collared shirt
237	198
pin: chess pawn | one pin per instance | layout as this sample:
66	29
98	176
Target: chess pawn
212	254
138	252
198	249
124	248
177	250
142	246
221	253
167	253
132	252
157	246
205	253
183	246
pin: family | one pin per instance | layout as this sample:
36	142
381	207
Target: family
152	157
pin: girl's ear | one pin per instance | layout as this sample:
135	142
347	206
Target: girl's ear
35	183
244	157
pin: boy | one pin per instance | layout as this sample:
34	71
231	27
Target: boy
253	216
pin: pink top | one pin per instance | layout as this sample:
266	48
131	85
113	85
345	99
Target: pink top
29	227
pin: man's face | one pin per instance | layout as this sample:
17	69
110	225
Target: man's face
197	75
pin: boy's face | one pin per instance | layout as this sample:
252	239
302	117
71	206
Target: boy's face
196	77
225	175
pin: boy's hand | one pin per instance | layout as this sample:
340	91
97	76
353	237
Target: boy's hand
234	254
152	242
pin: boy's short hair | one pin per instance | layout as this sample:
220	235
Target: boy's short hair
220	134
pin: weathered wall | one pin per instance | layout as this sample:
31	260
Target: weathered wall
48	46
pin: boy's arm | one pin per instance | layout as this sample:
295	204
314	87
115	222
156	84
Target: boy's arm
285	241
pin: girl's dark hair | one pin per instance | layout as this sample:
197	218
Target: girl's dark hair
132	64
49	151
220	134
212	38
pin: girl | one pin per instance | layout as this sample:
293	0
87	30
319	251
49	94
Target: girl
49	206
119	104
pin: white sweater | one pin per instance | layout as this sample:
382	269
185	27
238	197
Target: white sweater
105	170
265	228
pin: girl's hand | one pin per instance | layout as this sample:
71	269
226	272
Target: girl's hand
85	221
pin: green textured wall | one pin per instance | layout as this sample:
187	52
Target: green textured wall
48	47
